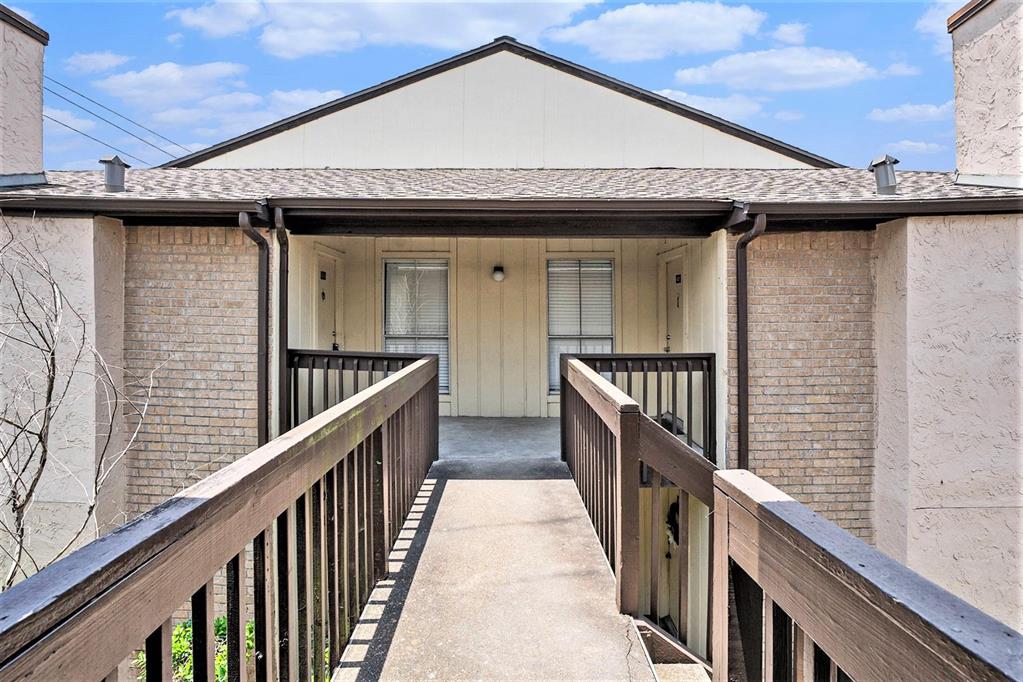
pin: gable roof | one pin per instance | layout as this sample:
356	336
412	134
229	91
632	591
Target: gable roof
507	44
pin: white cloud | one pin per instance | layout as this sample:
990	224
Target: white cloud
168	84
94	62
641	32
791	34
913	112
175	38
915	147
219	19
231	113
933	24
732	108
67	118
777	70
789	115
902	69
292	30
287	102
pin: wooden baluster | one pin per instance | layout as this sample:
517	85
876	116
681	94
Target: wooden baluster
341	554
658	375
628	375
355	378
351	541
627	525
674	400
316	579
159	663
236	653
302	585
802	655
330	537
689	405
656	532
204	644
283	598
263	605
310	376
326	384
365	518
718	639
378	537
769	644
682	519
296	418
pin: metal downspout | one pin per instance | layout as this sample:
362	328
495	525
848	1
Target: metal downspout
262	338
742	333
283	377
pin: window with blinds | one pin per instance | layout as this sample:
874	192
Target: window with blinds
580	311
416	310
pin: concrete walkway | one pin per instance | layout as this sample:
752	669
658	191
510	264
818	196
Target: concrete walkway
498	574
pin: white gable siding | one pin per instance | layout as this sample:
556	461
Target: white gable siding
502	111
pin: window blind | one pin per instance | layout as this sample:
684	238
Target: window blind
416	310
580	311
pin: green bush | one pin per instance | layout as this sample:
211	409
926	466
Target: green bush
181	650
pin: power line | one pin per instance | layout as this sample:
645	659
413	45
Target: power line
108	121
117	113
95	139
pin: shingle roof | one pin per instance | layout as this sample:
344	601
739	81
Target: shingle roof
833	185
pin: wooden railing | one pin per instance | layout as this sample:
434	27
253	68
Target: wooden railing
676	390
812	602
319	379
655	535
807	600
317	507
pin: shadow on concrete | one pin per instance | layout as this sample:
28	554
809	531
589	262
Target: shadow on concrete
364	657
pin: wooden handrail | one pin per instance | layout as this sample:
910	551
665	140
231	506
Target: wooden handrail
872	617
678	390
80	617
317	379
605	438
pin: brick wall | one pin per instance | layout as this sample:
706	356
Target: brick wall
812	369
190	313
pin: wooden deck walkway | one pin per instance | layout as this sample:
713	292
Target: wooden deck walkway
498	574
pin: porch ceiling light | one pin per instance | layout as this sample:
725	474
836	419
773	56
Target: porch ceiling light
498	273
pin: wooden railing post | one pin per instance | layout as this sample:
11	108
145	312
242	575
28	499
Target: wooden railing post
627	521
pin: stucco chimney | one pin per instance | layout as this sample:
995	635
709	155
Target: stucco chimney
21	100
987	57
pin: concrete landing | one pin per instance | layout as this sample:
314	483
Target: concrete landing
498	574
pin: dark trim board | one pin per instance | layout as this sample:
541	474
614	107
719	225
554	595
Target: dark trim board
14	19
507	44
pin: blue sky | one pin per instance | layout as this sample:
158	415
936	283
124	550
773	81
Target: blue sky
845	80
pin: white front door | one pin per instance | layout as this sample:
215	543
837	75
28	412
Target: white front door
327	314
675	300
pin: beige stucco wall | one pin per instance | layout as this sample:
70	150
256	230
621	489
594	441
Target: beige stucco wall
949	480
502	111
21	102
498	331
988	74
86	257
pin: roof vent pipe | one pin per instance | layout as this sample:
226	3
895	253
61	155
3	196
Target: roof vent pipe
113	173
883	168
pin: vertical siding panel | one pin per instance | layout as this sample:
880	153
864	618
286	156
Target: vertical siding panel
535	342
628	271
467	353
513	328
490	335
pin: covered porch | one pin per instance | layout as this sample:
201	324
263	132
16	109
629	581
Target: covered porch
374	557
